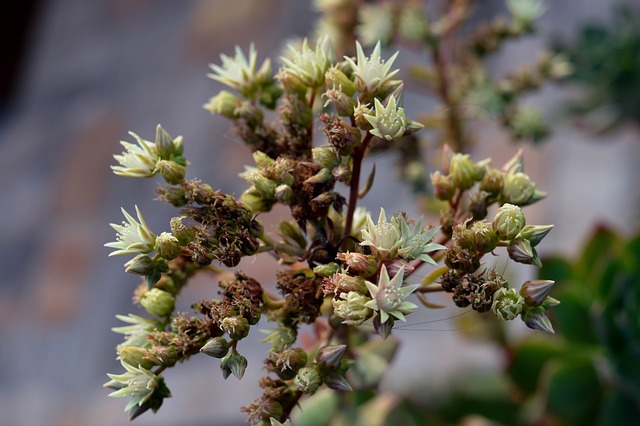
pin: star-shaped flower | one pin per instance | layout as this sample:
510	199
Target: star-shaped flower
388	297
307	64
390	122
371	72
240	73
417	241
137	160
134	237
384	238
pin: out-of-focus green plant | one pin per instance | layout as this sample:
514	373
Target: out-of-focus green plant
607	65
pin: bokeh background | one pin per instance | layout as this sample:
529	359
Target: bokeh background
80	74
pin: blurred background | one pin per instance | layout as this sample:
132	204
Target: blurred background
77	75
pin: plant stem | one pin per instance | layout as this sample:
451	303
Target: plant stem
354	186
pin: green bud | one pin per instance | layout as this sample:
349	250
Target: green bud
225	104
283	193
167	246
443	186
141	265
383	328
172	172
330	356
517	188
233	363
521	251
217	347
184	234
537	319
492	181
134	356
508	222
158	302
463	171
325	156
484	237
534	233
351	308
236	327
308	379
507	303
535	292
334	77
164	143
359	114
326	270
336	381
265	186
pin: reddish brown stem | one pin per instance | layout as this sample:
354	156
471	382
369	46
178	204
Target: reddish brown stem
354	187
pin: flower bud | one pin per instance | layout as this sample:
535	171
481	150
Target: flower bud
334	77
463	171
336	381
330	356
158	302
521	251
383	328
225	104
359	264
343	103
326	270
308	379
492	181
134	356
167	246
534	233
236	327
517	188
484	237
342	173
536	291
507	303
172	172
283	193
184	234
325	156
164	143
443	186
217	347
141	265
351	308
345	283
289	362
233	363
537	319
359	114
508	222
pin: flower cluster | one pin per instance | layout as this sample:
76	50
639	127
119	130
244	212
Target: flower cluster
339	269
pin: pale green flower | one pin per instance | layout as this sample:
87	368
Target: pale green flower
275	422
307	64
384	238
376	23
134	237
352	308
136	333
138	160
390	122
388	297
137	383
526	11
240	73
371	72
417	241
507	303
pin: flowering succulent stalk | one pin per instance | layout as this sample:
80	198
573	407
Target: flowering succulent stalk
338	269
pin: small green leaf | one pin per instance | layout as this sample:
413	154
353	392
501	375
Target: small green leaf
317	410
573	390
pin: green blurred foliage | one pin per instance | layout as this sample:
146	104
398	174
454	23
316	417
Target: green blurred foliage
606	59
